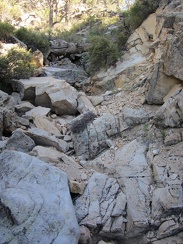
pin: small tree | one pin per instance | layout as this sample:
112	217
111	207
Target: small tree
102	53
6	30
20	63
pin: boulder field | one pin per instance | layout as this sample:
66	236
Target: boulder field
103	165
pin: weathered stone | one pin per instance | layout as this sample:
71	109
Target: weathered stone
38	111
172	138
136	116
90	137
84	104
6	100
85	237
174	58
23	107
96	100
43	138
95	207
76	187
159	85
171	113
20	142
131	167
36	191
64	99
70	72
51	155
44	124
175	89
49	92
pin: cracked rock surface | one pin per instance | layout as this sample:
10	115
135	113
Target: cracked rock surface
32	196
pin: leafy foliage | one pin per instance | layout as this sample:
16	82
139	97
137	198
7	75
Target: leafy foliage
17	64
33	39
6	30
102	52
20	62
140	10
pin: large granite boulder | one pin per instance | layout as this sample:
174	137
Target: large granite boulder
49	92
35	202
20	142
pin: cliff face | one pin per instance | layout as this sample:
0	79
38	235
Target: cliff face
154	52
123	153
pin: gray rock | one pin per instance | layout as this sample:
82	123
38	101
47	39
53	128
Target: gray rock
43	138
173	61
159	85
44	124
171	112
136	116
20	142
70	74
89	136
23	107
51	155
134	174
38	111
84	104
102	206
49	92
35	202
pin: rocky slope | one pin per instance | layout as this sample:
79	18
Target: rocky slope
121	147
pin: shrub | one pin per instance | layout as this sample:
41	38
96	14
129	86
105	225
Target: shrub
20	63
102	52
33	39
140	10
6	30
5	71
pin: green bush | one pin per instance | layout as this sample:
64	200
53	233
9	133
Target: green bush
20	63
6	30
17	64
102	53
140	10
5	71
33	39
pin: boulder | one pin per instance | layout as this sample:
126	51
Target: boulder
159	85
49	92
60	47
76	173
43	138
37	58
173	61
20	142
23	107
40	111
134	117
102	207
84	104
134	175
35	202
44	124
69	73
170	113
89	135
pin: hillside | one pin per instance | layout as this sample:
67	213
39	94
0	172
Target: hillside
95	156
